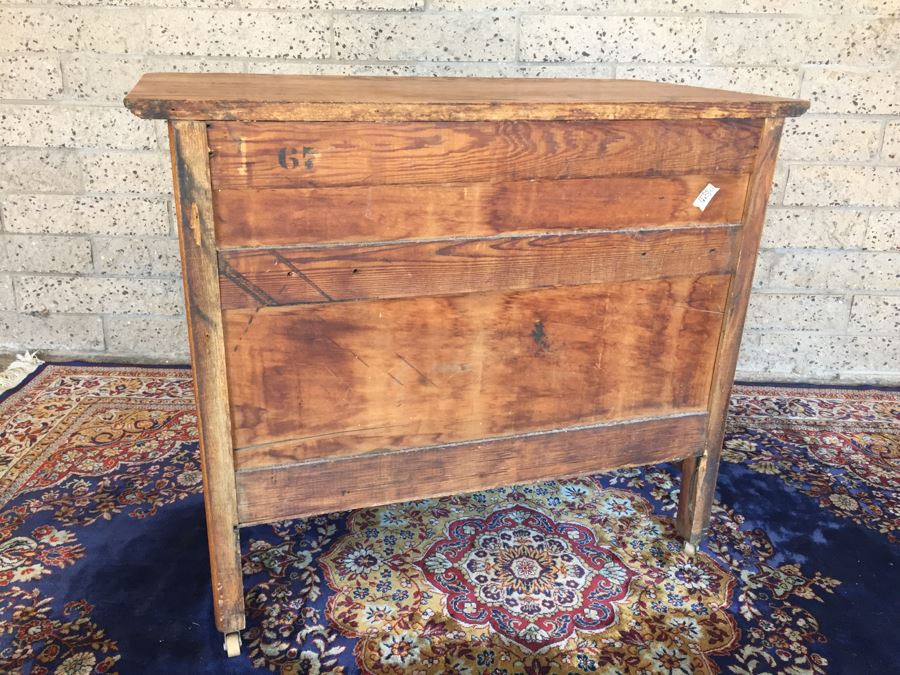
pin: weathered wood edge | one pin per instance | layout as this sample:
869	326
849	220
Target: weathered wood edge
699	473
216	110
260	97
435	471
203	94
193	203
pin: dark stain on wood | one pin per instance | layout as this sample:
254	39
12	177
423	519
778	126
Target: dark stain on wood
540	337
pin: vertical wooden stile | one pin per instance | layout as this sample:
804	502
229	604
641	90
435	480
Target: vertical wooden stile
699	474
193	203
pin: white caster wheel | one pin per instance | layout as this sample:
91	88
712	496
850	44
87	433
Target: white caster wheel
232	644
690	549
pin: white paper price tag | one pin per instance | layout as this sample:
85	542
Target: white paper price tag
705	196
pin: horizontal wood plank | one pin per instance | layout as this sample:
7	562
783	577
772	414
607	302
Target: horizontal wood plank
228	96
346	378
285	154
287	276
297	491
361	213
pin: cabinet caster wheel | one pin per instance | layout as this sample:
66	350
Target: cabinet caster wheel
690	549
232	644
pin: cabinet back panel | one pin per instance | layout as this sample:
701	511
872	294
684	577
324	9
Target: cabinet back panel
334	379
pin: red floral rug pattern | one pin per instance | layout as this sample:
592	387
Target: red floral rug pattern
529	578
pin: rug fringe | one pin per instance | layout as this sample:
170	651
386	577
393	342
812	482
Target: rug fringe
18	370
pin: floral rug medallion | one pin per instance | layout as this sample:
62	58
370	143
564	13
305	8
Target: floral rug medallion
564	573
531	579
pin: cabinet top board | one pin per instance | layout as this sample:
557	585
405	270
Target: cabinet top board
252	97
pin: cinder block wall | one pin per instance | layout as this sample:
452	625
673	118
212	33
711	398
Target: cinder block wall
88	263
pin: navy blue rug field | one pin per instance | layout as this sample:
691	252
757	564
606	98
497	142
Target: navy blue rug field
103	561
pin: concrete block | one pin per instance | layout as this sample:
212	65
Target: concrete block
54	332
7	297
890	150
101	77
115	31
30	76
834	90
828	270
63	214
158	337
823	139
610	38
800	355
127	172
42	253
843	186
190	32
137	257
875	314
98	295
735	40
785	311
814	228
883	233
425	37
40	170
35	125
38	29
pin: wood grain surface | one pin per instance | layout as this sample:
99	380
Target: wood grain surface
193	204
348	378
321	487
311	154
286	276
361	213
699	474
219	96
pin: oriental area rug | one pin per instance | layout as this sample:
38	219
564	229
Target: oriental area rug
103	559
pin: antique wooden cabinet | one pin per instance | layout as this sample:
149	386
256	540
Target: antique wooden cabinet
402	287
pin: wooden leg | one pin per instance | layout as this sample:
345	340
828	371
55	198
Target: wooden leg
193	202
698	480
227	586
698	485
